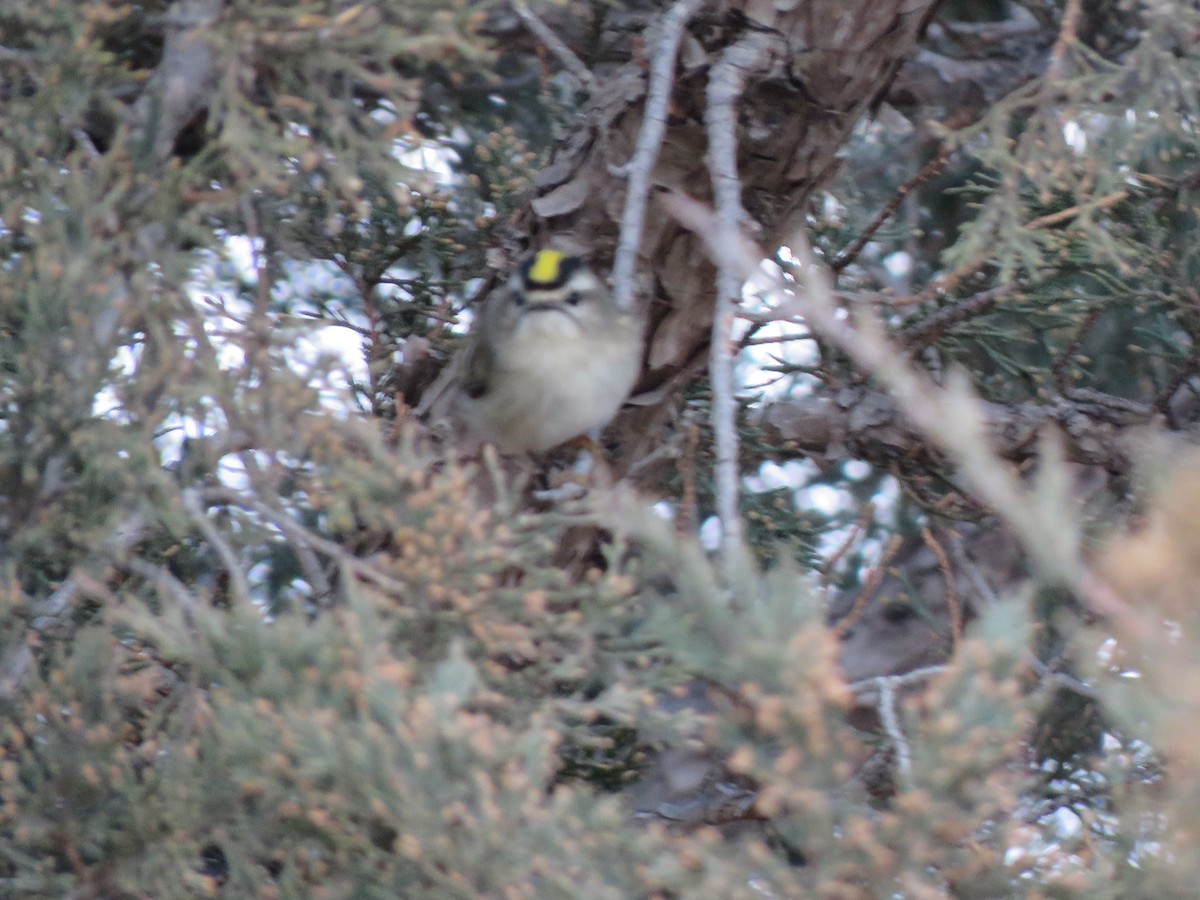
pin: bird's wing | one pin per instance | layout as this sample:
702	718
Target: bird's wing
478	362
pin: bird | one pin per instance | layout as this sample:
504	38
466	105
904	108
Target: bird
550	357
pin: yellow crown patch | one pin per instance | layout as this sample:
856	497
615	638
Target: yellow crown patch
546	268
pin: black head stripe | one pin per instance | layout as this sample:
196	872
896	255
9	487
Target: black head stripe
547	270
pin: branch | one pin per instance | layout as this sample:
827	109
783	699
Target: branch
15	667
891	724
935	165
883	689
1062	679
725	85
954	421
168	585
1071	212
866	423
645	154
298	534
180	87
555	45
238	582
931	329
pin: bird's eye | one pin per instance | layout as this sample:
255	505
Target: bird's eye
574	298
898	613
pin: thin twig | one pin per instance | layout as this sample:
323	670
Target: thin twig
952	600
856	531
930	329
1062	679
555	45
16	666
1064	361
665	450
168	585
979	584
297	533
870	586
1063	215
941	285
891	724
884	688
777	339
935	165
726	82
239	583
645	154
1067	34
864	687
1162	403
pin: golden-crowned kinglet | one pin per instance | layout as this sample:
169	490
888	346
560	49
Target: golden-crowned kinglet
550	357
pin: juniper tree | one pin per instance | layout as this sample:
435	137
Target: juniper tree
919	285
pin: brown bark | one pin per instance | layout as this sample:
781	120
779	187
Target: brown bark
823	63
862	423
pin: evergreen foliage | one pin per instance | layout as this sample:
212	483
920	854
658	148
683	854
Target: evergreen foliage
261	636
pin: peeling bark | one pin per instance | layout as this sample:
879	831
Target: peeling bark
820	67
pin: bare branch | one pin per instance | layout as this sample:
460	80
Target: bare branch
725	85
866	686
870	584
15	667
1062	679
847	256
952	601
181	85
1067	35
554	44
645	154
867	423
949	416
238	582
300	535
883	690
1071	212
891	724
925	332
167	584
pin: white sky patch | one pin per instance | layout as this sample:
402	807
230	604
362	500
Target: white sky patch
899	264
856	469
771	476
242	252
332	353
433	162
1075	137
778	343
823	498
231	472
